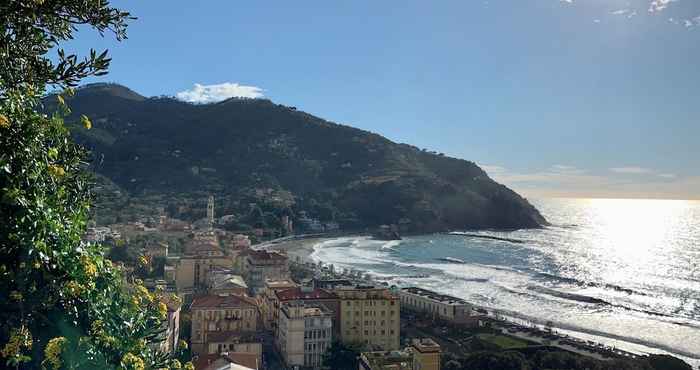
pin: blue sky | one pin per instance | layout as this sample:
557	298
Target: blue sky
591	98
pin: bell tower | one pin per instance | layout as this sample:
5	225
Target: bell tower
210	212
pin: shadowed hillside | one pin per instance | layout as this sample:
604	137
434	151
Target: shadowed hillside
247	149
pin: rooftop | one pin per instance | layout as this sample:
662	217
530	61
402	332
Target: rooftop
265	256
391	360
435	296
298	293
246	360
222	301
425	345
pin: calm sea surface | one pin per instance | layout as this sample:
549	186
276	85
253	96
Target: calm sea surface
622	272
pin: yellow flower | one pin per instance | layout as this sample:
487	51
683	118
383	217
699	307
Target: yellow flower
60	100
182	344
52	352
163	310
86	122
175	364
189	366
143	294
74	289
88	266
133	362
56	171
19	338
143	260
4	122
97	327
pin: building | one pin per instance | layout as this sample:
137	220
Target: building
427	354
305	333
222	280
221	313
422	354
386	360
438	305
202	254
159	249
306	295
268	302
262	265
226	361
370	316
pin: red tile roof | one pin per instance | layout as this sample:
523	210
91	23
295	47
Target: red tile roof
222	301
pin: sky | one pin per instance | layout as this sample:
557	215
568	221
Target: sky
575	98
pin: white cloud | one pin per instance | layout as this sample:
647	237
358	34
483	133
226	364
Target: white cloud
569	181
631	170
216	93
492	169
659	5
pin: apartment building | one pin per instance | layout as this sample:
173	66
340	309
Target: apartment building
438	305
370	316
268	302
221	313
305	333
263	265
202	254
306	295
422	354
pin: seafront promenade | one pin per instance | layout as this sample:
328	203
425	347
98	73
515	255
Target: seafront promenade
507	324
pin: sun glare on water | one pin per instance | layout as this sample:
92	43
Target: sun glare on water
635	236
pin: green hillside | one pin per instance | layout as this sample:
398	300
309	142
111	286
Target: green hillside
161	152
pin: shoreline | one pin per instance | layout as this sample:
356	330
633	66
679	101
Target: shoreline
300	250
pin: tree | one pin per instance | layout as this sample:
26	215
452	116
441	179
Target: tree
342	357
62	303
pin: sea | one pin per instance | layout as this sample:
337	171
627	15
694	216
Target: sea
625	273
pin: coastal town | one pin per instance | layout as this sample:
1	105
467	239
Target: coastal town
239	305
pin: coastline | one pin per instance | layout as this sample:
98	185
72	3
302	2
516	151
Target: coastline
301	250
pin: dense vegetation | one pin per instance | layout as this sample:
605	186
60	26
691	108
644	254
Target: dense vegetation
167	153
63	305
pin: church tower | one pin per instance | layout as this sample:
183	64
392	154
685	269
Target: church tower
210	212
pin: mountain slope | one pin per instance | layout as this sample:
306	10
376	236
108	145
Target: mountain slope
242	148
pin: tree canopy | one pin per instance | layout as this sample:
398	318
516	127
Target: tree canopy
62	303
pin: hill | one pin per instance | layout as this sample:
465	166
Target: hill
266	159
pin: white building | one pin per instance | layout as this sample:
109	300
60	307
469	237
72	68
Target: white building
304	334
438	305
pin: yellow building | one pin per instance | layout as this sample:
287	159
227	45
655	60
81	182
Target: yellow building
212	314
426	354
202	254
422	354
269	303
369	316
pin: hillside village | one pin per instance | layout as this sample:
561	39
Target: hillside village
238	305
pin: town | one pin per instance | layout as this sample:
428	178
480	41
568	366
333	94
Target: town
239	305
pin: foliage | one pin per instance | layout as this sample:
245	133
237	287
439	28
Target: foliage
342	357
62	303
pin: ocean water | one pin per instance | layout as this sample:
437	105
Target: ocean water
621	272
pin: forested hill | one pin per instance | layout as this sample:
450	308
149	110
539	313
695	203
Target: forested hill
173	153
